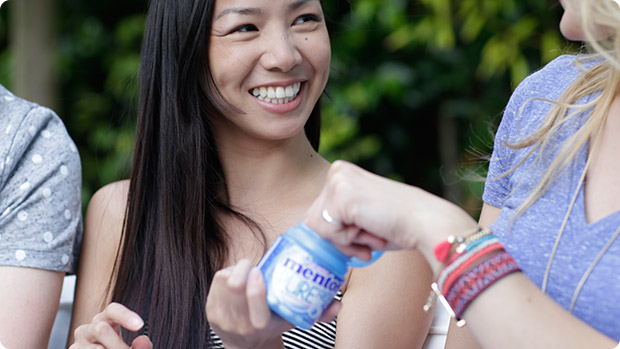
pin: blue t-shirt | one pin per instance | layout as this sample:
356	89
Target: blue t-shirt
530	238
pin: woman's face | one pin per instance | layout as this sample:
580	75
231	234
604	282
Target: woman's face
570	25
270	59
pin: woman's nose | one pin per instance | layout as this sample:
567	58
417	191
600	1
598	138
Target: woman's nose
281	52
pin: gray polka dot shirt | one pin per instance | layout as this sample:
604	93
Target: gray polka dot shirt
40	188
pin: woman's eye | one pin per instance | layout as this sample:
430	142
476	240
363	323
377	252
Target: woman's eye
306	18
244	28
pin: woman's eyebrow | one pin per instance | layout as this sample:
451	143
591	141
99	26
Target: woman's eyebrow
298	3
238	10
255	10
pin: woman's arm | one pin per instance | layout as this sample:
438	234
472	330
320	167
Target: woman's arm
28	302
461	337
511	313
382	304
102	231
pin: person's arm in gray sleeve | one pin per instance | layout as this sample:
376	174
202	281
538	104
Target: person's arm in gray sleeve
40	219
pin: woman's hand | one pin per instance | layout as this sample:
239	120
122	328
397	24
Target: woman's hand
104	331
237	309
373	212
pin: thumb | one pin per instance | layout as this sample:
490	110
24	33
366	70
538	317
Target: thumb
141	342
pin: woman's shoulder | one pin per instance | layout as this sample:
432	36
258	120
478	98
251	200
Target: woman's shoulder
531	96
552	79
106	210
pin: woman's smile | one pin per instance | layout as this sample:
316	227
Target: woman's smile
269	60
277	94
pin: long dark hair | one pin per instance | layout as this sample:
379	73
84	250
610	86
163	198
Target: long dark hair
172	243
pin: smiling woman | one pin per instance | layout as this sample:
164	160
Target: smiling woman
225	161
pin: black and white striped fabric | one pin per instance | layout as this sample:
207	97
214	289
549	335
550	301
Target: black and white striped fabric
321	336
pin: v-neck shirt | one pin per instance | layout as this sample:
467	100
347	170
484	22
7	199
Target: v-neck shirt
530	237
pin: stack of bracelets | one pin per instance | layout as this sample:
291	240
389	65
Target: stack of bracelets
471	264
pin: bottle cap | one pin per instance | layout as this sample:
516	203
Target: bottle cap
358	263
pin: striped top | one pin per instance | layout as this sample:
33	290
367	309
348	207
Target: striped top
321	336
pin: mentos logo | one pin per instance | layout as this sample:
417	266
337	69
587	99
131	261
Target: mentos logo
325	281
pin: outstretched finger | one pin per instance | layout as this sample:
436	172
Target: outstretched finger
120	315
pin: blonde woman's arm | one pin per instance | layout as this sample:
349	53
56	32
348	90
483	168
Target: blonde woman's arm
461	337
511	313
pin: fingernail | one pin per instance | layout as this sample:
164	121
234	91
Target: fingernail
254	277
136	322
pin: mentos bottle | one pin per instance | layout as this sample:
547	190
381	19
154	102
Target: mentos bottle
303	272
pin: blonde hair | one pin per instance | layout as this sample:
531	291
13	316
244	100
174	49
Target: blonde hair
598	17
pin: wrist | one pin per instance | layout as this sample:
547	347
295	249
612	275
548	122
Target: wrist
453	222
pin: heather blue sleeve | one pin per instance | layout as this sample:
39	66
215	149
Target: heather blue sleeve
497	186
526	109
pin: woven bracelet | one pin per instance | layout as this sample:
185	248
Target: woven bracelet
454	248
463	265
470	265
473	282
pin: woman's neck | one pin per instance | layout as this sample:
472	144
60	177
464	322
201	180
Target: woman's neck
262	176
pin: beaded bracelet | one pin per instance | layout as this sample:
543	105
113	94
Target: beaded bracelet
470	265
445	252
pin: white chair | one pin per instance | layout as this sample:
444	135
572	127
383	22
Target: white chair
60	331
436	338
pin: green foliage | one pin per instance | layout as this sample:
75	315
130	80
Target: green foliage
98	60
404	73
407	72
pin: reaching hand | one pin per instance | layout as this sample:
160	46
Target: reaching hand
104	331
368	211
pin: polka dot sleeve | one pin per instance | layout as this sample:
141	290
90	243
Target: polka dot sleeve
40	188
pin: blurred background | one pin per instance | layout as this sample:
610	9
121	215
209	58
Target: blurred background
417	86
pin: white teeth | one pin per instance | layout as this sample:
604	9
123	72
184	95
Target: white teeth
280	92
277	94
289	91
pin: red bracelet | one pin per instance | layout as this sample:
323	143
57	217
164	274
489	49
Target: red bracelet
468	263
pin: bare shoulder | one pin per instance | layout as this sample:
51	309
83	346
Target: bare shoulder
102	235
110	201
103	224
106	210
